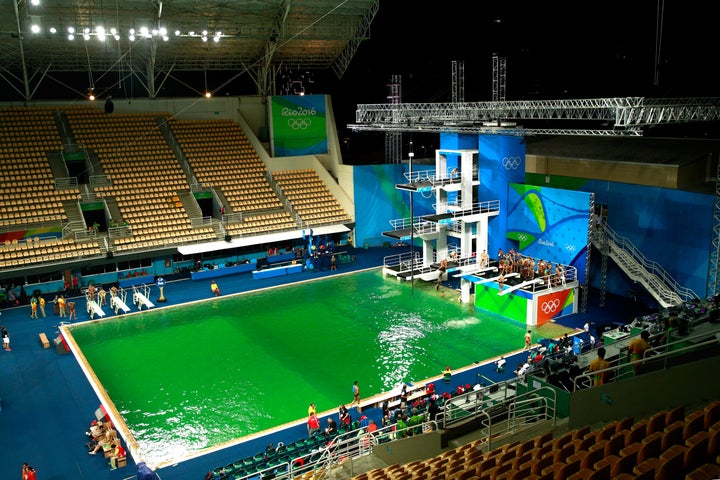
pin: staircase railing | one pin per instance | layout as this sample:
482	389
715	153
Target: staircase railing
655	277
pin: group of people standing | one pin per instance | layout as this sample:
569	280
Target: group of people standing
529	269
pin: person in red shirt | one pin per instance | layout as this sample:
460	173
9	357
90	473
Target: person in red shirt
313	424
28	473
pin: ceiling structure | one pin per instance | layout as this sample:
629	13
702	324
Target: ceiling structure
591	117
152	39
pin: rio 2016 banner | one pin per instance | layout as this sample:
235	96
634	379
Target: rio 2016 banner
299	125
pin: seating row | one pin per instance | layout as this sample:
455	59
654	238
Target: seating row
667	446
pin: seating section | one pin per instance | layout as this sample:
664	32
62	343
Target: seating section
27	187
310	197
662	452
145	175
34	250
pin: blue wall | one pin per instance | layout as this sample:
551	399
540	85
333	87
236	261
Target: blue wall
377	201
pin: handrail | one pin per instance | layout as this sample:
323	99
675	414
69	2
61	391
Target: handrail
654	268
401	259
584	379
346	446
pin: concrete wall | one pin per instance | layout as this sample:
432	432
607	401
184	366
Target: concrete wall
406	450
689	384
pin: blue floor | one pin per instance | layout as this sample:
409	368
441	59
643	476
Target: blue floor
47	403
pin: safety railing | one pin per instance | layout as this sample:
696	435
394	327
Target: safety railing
654	358
458	210
404	261
329	453
499	409
658	279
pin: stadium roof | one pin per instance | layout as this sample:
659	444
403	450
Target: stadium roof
150	39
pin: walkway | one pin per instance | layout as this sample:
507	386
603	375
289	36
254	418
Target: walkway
46	403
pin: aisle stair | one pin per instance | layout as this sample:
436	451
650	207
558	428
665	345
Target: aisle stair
656	280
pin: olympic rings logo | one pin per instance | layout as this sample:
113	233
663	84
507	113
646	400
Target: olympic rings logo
522	237
299	123
550	307
511	163
570	247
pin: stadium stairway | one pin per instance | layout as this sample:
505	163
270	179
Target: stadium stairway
190	204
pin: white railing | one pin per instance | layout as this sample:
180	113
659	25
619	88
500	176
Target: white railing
403	260
638	267
655	355
458	210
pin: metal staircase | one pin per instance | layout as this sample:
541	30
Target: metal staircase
656	280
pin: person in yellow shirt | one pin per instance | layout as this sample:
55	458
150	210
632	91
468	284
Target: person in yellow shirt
215	289
599	364
636	349
41	303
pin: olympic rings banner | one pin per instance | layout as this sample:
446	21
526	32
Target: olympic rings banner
299	125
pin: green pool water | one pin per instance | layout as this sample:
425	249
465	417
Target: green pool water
194	376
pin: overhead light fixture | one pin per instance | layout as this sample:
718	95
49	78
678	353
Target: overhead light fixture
35	23
71	36
177	33
208	94
35	2
86	36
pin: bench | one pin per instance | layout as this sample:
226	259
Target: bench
44	340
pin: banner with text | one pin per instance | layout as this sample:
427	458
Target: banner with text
299	125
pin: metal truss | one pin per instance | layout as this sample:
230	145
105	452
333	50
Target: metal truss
623	115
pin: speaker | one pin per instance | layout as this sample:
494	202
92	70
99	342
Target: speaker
109	254
227	238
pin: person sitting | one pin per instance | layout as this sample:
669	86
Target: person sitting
118	453
96	430
105	442
331	429
214	288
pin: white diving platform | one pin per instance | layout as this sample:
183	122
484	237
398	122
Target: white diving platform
117	303
141	300
526	283
495	279
474	270
94	309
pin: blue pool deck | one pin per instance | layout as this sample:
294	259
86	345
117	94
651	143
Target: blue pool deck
46	402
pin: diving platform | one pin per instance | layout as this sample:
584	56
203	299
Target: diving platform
142	301
524	284
531	301
94	309
401	234
117	304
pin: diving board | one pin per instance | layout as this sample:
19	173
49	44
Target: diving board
117	303
94	309
475	271
141	300
505	291
495	279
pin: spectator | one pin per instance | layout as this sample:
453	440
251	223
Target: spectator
599	364
117	454
637	349
313	424
28	472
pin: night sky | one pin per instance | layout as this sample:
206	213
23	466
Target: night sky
554	50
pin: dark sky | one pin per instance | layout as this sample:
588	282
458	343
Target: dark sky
554	50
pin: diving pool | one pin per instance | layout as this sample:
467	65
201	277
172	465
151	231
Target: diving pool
191	377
